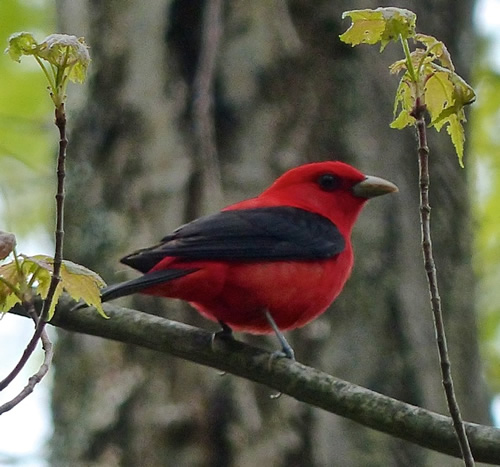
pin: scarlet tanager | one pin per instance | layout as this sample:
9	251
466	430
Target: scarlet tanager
270	263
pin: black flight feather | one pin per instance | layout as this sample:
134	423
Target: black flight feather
140	283
279	233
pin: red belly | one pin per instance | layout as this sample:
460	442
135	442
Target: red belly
294	293
239	293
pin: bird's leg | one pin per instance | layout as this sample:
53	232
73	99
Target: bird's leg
286	349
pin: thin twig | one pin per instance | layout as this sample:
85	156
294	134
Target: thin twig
430	269
60	121
36	378
28	351
47	347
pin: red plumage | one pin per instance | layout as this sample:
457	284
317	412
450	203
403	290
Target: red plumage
286	252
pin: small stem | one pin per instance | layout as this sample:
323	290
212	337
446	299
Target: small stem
61	174
42	371
33	277
50	79
18	264
409	64
60	121
430	269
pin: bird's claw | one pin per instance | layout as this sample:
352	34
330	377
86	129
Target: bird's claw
284	353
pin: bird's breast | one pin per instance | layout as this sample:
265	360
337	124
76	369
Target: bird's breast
294	292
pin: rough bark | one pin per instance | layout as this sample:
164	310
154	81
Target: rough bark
286	91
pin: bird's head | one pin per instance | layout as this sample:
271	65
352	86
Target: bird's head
333	189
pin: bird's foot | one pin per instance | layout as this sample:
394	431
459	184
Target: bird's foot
286	352
286	349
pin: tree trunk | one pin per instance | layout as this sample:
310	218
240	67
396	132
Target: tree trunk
285	91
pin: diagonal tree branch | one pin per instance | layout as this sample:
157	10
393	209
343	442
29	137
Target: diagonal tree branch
371	409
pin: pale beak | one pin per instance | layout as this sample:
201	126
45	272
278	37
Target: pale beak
373	186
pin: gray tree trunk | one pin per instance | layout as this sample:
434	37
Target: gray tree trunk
286	91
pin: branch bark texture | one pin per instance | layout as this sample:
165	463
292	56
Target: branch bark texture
306	384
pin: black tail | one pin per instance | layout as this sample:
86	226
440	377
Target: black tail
140	283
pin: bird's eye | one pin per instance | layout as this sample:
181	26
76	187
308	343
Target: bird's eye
329	182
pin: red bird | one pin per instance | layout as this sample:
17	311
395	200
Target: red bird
270	263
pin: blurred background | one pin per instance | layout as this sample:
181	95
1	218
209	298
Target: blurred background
191	105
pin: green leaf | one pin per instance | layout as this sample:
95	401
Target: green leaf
403	120
21	43
381	25
78	281
463	93
452	119
438	95
446	94
436	49
62	57
9	301
367	27
9	290
404	104
456	131
39	266
435	84
82	283
398	67
55	300
66	51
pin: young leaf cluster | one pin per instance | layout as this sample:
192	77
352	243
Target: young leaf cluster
429	80
381	25
26	276
62	58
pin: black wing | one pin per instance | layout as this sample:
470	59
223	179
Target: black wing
270	234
